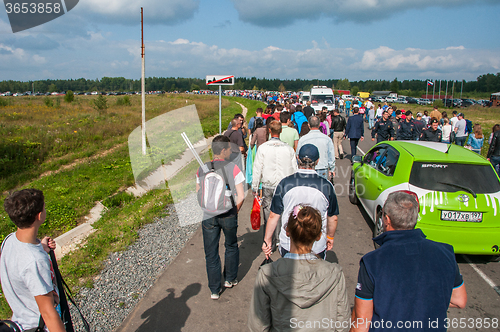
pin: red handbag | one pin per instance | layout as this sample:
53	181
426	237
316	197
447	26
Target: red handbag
255	214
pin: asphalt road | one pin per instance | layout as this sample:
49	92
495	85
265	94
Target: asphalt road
180	299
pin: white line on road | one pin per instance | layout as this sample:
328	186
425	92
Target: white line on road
484	276
362	152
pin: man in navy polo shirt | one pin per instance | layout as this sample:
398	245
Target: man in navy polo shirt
304	187
409	282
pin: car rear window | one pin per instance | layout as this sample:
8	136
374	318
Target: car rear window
481	179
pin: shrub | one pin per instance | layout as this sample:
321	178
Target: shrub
438	103
125	101
48	102
100	103
3	102
69	96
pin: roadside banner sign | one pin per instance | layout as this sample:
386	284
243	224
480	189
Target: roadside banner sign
220	80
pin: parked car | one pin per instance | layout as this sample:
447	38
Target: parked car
412	100
424	101
458	191
466	102
402	100
390	99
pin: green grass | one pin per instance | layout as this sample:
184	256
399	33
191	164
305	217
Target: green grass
71	193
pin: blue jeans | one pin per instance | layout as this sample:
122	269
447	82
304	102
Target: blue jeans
354	145
371	123
460	140
211	235
495	162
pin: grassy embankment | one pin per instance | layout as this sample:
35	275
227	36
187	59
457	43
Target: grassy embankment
79	156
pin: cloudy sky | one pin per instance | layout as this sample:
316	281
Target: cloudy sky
354	39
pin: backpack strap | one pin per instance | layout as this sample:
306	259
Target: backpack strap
224	175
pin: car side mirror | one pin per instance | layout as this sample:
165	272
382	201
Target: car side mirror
357	159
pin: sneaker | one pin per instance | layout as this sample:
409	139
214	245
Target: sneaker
215	296
341	156
229	284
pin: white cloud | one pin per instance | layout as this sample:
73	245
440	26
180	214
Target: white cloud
128	12
267	13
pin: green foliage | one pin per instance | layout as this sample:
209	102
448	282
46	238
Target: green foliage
58	102
48	102
395	85
123	101
69	97
52	88
100	103
194	87
354	91
117	200
343	84
438	103
4	102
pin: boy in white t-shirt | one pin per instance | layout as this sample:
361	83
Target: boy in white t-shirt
28	280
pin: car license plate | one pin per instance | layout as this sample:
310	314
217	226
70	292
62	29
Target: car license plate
462	216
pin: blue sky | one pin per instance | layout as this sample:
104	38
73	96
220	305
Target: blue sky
287	39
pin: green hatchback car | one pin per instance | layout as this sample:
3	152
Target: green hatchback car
458	191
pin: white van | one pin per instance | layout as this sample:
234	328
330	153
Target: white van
304	97
322	96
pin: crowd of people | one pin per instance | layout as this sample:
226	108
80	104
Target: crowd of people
290	164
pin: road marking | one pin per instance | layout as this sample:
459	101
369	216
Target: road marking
362	152
484	276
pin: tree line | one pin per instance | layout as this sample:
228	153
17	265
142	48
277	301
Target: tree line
487	83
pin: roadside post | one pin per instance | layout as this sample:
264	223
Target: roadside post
220	80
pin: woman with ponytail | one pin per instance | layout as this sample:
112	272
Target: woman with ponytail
300	290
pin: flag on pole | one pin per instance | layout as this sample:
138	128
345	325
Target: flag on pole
430	83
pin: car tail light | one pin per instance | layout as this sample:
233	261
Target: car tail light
414	195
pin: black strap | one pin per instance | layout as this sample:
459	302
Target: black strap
64	294
227	182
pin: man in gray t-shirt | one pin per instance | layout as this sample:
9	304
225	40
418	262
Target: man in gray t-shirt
460	128
25	268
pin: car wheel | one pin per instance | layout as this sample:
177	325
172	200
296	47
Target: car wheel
352	192
378	227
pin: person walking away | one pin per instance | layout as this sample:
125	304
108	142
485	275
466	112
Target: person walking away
476	139
289	135
383	129
432	134
304	187
259	135
274	161
308	110
238	146
298	118
454	119
354	130
406	129
28	281
338	127
494	151
419	125
371	117
341	105
326	163
212	224
299	287
391	275
323	125
258	115
436	114
460	130
446	131
348	107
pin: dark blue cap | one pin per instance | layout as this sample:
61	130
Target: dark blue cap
309	151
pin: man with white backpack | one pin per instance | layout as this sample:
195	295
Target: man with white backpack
216	187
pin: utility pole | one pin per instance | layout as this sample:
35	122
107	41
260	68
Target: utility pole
143	85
